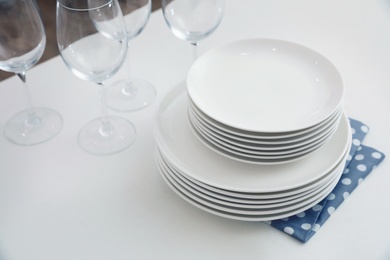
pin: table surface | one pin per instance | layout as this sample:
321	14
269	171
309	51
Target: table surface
58	202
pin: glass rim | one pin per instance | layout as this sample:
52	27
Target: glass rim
86	9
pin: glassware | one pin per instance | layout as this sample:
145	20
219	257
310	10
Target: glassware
132	93
92	40
22	42
193	20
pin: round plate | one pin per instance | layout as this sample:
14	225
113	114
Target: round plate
256	198
245	203
245	210
292	138
177	142
255	149
237	214
265	85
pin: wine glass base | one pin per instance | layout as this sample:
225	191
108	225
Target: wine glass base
130	95
107	136
33	126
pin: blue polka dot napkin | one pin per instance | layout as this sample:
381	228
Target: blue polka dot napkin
361	161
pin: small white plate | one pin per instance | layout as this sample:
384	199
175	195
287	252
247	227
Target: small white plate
263	150
255	157
260	137
177	142
265	85
292	139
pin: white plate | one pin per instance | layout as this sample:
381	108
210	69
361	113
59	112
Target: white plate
256	157
175	139
263	152
268	150
257	198
295	139
232	213
265	85
259	211
293	202
260	137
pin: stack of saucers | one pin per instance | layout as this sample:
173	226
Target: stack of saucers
248	174
264	101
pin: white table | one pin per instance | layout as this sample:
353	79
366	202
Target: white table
58	202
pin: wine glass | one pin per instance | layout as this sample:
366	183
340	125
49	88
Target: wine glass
132	93
92	40
22	42
193	20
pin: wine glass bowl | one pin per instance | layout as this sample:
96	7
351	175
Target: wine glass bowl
132	94
92	41
21	47
22	43
193	20
136	15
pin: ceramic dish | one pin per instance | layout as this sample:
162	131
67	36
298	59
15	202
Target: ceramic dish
243	203
177	142
265	85
261	210
256	197
255	157
293	140
262	152
239	214
261	137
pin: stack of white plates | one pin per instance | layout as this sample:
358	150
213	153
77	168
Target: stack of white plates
271	112
264	101
236	189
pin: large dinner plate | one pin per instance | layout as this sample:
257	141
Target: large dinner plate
310	199
265	85
260	197
241	214
177	142
283	202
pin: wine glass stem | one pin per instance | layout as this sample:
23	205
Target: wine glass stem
32	119
194	47
105	129
128	87
103	101
22	76
128	64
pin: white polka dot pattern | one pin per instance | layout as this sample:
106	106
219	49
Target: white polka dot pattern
359	157
346	181
289	230
317	208
331	210
376	155
361	161
331	196
316	227
306	226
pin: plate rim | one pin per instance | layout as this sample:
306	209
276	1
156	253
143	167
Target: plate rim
244	203
174	96
259	42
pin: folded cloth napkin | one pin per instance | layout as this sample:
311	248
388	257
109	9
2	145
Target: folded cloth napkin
361	161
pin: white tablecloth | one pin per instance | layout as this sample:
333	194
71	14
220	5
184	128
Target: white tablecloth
58	202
